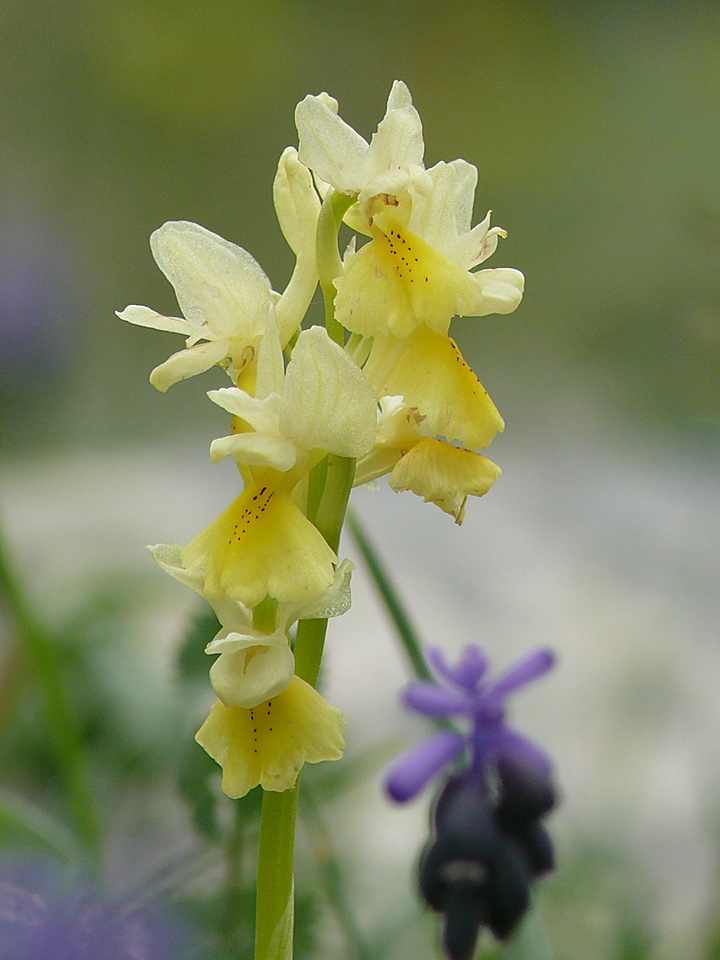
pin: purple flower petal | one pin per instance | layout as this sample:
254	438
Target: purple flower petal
414	769
531	667
472	666
434	700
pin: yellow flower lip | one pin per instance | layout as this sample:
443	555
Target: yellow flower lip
444	475
262	545
429	372
269	743
397	282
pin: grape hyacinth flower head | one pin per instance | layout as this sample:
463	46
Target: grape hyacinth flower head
465	692
488	841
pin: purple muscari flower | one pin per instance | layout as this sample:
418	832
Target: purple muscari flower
465	692
488	842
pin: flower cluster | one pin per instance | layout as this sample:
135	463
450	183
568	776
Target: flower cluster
380	390
489	842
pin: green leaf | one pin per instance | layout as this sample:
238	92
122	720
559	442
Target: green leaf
192	661
197	771
24	825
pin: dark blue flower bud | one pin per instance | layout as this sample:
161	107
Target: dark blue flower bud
474	873
526	790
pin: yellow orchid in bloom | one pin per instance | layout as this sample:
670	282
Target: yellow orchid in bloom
380	390
415	460
321	404
269	743
252	665
429	372
417	267
263	544
225	297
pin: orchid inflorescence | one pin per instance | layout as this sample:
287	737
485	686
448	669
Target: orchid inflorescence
380	390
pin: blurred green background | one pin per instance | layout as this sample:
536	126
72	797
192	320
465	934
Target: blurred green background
594	127
596	131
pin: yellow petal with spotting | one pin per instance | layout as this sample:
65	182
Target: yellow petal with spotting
269	743
444	475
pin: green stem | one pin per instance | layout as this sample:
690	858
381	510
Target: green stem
328	517
62	728
275	893
398	614
335	206
274	903
329	487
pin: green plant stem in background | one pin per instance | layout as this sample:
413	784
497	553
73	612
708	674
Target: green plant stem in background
41	654
398	614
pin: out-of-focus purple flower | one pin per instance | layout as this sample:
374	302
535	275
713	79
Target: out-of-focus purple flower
38	300
489	843
465	692
47	913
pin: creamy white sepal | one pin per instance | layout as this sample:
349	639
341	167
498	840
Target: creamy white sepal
262	414
341	157
327	401
189	362
217	283
249	672
329	146
297	206
256	449
502	290
145	317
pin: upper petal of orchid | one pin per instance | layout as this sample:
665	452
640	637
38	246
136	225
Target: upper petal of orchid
329	146
298	206
219	286
327	401
342	158
398	143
